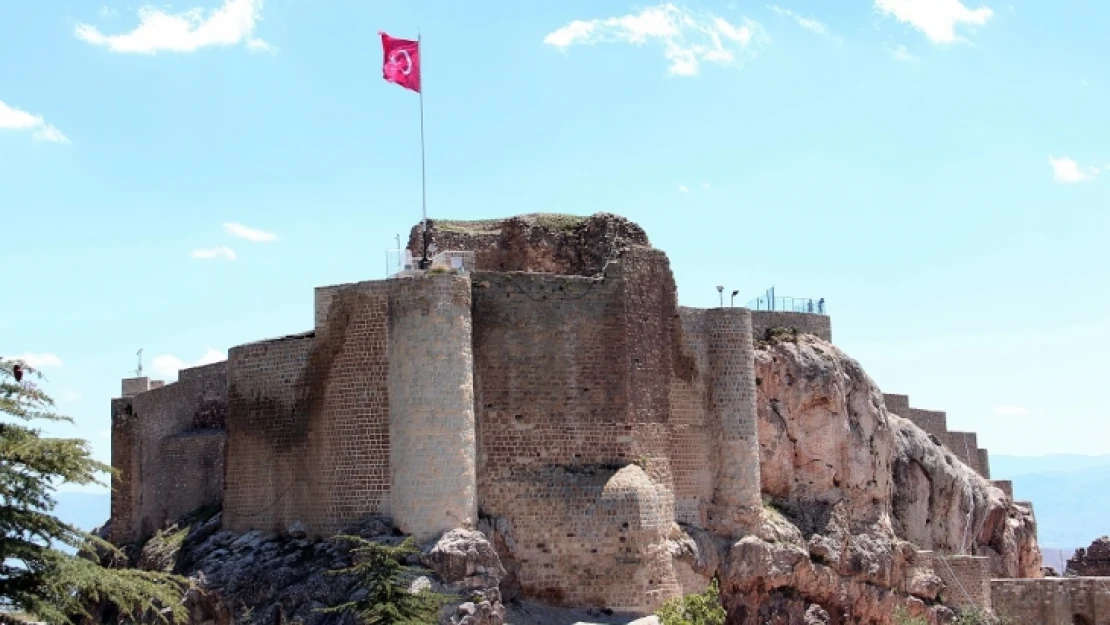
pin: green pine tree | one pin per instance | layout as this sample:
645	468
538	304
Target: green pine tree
38	578
380	570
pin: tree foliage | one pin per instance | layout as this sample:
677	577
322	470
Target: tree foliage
697	609
37	576
380	570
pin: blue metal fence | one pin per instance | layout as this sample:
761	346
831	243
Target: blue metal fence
812	305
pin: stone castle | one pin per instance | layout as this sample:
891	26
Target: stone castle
539	382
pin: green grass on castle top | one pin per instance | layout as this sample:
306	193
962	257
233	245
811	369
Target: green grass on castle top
551	221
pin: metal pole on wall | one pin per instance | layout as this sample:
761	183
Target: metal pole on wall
424	262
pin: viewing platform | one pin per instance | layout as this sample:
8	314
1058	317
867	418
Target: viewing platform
804	314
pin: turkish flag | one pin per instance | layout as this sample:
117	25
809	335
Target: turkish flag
401	62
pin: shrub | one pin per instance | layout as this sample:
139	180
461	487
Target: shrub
696	609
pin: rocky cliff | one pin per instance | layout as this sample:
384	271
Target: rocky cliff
853	492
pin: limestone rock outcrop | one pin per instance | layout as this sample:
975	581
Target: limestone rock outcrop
284	578
852	494
831	451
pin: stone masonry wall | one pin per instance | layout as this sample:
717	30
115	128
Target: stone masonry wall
572	467
268	471
313	418
1006	486
309	421
737	497
149	490
808	323
550	376
963	445
966	578
193	463
431	404
694	434
125	460
651	304
1053	600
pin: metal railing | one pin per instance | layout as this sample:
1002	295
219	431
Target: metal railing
401	262
811	305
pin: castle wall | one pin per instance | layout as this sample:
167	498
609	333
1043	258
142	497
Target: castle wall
159	483
125	460
807	323
967	579
267	430
431	393
1053	600
308	421
651	305
193	465
573	400
932	421
134	386
368	413
551	376
1006	486
693	433
983	463
736	495
963	445
898	404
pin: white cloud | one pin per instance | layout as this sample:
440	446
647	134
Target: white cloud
683	188
167	365
12	118
705	185
39	361
1010	411
687	38
807	23
1066	170
250	234
937	19
210	253
902	54
159	31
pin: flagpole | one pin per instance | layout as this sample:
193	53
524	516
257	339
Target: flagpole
424	262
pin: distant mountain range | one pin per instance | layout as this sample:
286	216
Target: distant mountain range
85	510
1069	495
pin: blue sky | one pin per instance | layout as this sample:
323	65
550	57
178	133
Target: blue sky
179	178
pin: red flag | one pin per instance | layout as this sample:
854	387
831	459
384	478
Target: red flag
401	62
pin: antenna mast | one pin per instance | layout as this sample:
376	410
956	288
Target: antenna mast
139	370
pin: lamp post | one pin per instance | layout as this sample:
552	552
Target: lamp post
732	300
721	295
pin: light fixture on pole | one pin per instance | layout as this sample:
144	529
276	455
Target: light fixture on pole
721	295
732	300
